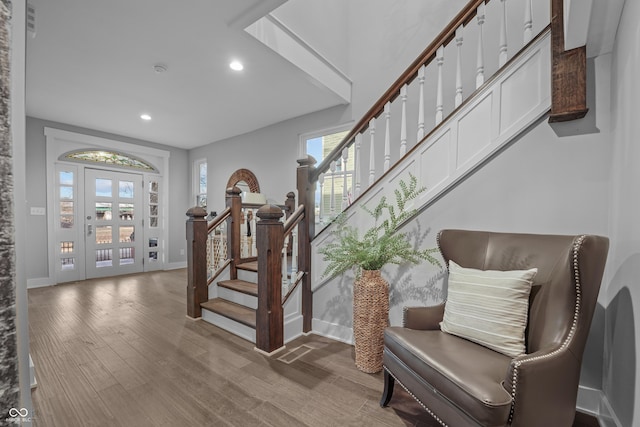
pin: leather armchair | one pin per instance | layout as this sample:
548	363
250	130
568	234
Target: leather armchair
461	383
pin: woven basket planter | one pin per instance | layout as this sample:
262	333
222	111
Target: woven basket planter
370	317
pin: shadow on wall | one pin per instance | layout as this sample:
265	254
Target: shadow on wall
337	308
620	343
402	286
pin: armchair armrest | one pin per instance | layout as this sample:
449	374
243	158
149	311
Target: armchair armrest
423	318
544	379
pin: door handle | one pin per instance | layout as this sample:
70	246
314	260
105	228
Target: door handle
89	229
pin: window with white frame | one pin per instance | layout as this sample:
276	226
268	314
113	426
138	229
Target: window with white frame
200	182
330	194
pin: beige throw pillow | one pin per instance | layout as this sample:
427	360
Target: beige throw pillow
488	307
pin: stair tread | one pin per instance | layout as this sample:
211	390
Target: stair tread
237	312
249	266
242	286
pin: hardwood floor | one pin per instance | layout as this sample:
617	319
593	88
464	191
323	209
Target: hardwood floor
121	352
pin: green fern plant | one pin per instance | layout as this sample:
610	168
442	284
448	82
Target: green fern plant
380	245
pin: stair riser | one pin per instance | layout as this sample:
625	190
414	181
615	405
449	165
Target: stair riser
238	297
229	325
249	276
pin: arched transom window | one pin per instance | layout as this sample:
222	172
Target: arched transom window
110	158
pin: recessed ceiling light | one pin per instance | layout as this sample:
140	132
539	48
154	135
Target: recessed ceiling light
236	66
145	117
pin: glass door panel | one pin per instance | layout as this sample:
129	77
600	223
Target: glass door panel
113	201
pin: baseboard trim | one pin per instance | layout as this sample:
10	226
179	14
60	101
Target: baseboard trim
269	354
595	402
607	415
175	265
332	330
39	282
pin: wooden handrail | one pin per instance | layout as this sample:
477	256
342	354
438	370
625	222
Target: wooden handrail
294	219
444	38
218	272
214	223
296	281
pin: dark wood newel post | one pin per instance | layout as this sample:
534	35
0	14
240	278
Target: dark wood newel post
197	290
234	202
306	197
568	72
269	315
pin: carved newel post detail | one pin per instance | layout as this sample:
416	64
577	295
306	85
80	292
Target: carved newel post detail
197	290
269	315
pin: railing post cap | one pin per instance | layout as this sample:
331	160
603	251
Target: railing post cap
234	191
291	195
308	161
267	212
196	212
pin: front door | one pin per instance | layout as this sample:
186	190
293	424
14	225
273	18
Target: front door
113	223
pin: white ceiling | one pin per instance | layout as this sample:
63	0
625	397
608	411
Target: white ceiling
91	65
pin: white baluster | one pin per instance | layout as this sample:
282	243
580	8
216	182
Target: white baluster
285	278
403	121
372	151
294	254
459	38
528	22
345	157
254	248
502	55
420	106
439	95
321	207
387	138
332	202
357	165
480	58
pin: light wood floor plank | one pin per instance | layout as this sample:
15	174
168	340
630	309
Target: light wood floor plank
121	352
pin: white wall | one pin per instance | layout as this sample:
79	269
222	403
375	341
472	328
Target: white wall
270	153
322	25
385	37
37	267
622	361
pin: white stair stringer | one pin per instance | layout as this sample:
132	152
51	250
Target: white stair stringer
514	99
292	312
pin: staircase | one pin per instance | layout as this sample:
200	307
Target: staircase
267	299
234	307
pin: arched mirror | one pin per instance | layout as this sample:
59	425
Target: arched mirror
247	182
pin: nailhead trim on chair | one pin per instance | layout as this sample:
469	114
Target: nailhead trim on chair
429	411
576	275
